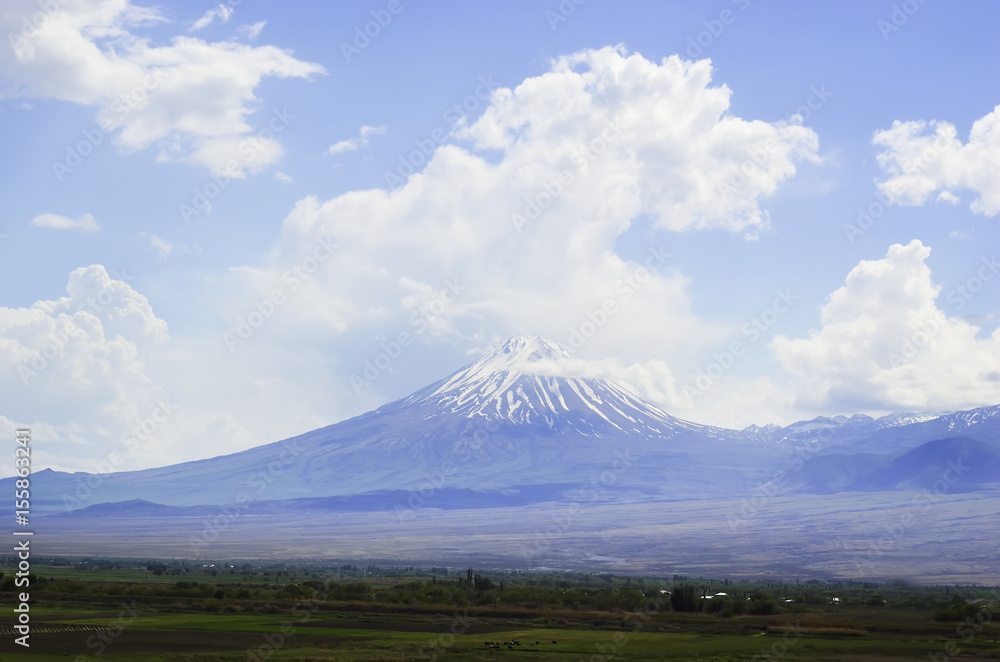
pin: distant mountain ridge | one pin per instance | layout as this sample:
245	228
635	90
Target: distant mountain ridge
957	464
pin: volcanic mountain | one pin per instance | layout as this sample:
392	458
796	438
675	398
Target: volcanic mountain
503	423
510	428
518	383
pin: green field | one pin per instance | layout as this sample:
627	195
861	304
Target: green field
131	610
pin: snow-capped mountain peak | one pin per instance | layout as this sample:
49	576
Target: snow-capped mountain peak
520	382
516	354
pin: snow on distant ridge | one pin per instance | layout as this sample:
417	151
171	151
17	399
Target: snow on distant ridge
896	419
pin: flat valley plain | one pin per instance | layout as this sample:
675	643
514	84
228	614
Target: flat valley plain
914	536
851	577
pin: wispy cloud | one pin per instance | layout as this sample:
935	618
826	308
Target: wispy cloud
352	144
85	223
251	31
924	158
162	247
222	13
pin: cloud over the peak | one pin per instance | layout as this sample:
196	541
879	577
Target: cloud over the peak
513	227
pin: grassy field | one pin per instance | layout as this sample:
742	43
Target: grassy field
245	637
131	611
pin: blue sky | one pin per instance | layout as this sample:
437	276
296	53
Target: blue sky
773	304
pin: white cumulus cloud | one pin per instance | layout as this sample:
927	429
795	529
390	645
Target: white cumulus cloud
79	362
193	99
513	228
98	379
662	129
922	159
885	344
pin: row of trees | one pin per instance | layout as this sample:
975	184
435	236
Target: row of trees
555	591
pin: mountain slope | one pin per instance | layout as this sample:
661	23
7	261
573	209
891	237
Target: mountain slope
956	464
504	422
514	427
